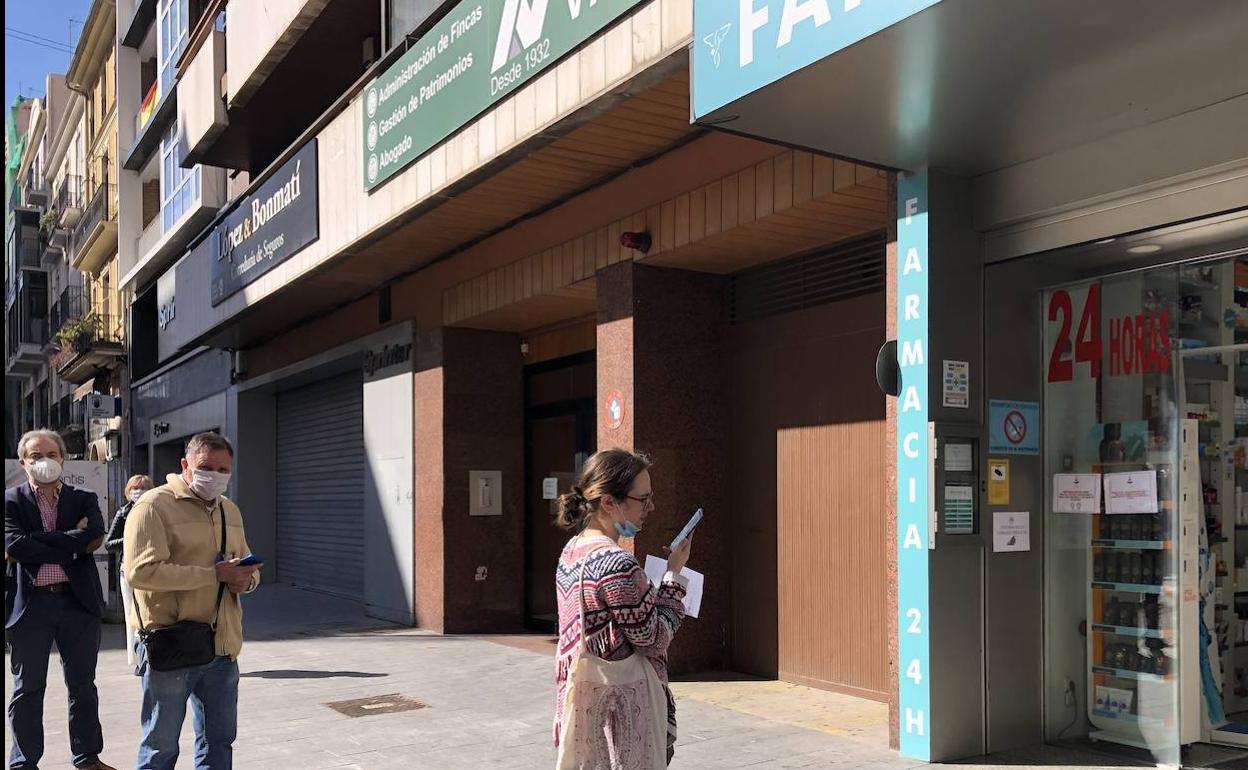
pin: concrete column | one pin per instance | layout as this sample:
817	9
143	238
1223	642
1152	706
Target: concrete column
469	415
662	347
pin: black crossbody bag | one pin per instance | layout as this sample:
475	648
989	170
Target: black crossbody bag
186	643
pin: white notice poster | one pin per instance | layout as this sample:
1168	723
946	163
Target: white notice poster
550	488
1011	531
655	567
957	385
1132	492
1077	493
959	458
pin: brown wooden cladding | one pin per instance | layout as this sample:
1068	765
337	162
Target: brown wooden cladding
791	202
561	340
810	501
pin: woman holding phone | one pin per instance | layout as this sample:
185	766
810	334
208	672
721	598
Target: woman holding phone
613	707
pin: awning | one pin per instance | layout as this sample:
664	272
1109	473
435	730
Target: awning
972	86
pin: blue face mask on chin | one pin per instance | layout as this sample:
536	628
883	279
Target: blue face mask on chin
627	528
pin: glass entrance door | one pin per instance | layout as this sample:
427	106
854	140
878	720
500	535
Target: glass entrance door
1146	463
1113	518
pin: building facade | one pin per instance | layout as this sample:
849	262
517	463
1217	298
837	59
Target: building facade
164	202
417	324
1066	295
90	326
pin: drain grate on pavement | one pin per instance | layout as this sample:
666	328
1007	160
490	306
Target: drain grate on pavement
378	704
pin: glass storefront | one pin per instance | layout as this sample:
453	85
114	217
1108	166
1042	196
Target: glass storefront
1146	513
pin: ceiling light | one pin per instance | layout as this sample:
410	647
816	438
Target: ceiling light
1105	241
1144	248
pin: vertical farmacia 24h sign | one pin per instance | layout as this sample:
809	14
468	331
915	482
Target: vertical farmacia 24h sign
479	53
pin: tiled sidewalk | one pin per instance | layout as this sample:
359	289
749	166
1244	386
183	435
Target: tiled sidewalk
489	703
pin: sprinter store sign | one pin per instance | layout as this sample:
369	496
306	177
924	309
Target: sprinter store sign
915	529
267	227
481	52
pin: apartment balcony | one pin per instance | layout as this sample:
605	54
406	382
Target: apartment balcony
160	105
27	327
285	65
135	23
95	236
164	240
29	251
36	190
51	251
201	108
69	201
89	346
68	309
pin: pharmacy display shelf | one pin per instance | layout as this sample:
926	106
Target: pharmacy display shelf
1144	633
1126	673
1147	545
1139	588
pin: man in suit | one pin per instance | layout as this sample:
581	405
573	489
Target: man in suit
50	531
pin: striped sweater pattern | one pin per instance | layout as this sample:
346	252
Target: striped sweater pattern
624	613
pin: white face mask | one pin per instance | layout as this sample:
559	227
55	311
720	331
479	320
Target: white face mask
45	470
135	495
209	485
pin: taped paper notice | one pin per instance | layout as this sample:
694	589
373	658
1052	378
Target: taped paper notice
1132	492
1011	531
959	458
1077	493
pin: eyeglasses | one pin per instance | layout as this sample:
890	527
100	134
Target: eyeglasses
646	500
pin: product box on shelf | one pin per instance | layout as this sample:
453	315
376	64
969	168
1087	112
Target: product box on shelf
1114	701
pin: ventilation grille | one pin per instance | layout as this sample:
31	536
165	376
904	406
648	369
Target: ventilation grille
848	270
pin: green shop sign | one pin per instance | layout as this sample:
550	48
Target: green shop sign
480	53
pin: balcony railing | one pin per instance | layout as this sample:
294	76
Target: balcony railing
101	208
88	346
24	332
29	251
69	201
36	189
68	308
50	251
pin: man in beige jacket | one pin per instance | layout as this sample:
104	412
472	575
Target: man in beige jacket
172	548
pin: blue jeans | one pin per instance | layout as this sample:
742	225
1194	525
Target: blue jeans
212	690
62	619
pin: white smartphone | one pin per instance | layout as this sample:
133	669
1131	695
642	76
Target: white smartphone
688	530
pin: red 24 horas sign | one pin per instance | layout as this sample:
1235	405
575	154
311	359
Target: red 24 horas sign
1138	344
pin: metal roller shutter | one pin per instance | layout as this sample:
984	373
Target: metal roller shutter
320	486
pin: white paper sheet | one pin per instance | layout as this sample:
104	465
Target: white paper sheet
1076	493
959	458
1132	492
1011	531
655	569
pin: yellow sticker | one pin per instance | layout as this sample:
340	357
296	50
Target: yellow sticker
998	482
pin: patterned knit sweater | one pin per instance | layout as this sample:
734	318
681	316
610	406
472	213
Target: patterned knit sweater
624	612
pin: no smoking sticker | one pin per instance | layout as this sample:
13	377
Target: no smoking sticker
1014	427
